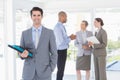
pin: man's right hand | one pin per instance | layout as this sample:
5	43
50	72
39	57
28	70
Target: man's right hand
72	36
24	54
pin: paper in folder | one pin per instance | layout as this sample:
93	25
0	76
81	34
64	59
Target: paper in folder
93	39
20	49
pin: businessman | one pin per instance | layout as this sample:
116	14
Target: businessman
41	42
62	41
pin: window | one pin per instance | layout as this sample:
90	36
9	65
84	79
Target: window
2	40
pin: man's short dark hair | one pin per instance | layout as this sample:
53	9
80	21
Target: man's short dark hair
61	13
86	23
36	9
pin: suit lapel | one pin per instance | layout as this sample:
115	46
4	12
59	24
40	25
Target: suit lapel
41	36
80	34
87	34
98	34
30	37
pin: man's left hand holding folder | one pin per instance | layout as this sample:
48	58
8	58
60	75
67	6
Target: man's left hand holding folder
24	54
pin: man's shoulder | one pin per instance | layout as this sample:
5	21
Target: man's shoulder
47	29
58	25
27	30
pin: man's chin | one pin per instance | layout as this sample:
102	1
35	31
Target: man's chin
37	23
64	22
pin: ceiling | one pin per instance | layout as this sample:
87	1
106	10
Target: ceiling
68	5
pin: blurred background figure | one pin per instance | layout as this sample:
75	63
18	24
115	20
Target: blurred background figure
84	51
99	50
62	41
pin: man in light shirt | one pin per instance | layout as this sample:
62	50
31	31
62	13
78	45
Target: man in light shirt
62	41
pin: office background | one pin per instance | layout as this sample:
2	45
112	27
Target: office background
14	18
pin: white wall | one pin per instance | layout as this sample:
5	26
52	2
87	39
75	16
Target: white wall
69	5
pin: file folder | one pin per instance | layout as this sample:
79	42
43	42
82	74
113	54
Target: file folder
20	49
93	39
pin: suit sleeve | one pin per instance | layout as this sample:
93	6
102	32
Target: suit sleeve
22	41
103	43
91	34
77	42
21	44
53	51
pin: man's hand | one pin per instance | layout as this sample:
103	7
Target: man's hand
72	36
24	54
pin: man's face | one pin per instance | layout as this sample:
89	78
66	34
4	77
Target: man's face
64	18
36	17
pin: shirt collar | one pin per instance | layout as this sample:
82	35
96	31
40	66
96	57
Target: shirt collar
98	29
60	23
39	28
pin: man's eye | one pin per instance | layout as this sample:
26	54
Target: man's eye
34	15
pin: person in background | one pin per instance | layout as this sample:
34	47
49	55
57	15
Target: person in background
84	51
40	41
62	41
99	50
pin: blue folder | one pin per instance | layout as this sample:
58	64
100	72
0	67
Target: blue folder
20	49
